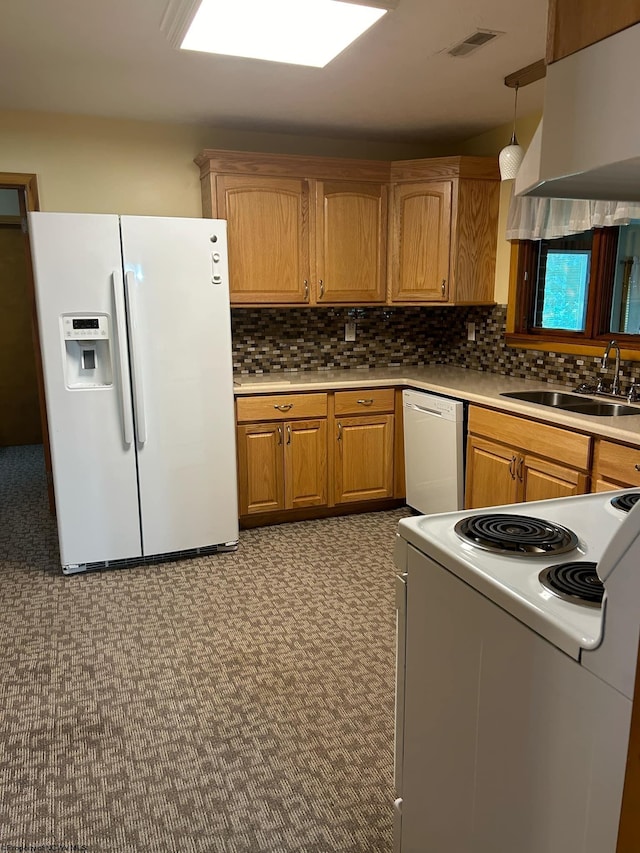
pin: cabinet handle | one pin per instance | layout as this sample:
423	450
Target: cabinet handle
279	435
512	467
306	290
367	402
443	286
637	466
283	407
321	289
339	431
288	434
520	468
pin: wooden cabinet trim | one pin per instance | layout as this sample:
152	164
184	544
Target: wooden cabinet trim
281	407
440	168
217	161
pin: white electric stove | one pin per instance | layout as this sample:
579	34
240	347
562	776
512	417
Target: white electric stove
517	641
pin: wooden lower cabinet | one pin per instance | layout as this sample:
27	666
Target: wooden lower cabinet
540	480
615	466
535	461
282	465
490	479
308	451
364	458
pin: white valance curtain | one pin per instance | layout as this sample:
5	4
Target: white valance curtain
545	218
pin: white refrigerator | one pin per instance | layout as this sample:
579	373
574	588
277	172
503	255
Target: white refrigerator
135	333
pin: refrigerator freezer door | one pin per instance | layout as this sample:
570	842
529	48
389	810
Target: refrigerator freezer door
180	340
78	278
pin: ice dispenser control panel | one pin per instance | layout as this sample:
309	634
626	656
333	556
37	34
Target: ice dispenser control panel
85	328
87	350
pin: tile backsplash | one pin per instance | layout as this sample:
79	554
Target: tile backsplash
273	340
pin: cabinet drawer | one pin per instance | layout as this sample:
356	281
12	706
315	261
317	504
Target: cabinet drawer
617	462
366	401
281	407
572	448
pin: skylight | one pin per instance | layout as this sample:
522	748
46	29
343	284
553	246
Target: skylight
300	32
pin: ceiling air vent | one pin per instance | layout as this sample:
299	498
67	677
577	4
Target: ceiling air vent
473	42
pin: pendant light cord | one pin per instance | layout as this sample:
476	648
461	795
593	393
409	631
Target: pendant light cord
514	141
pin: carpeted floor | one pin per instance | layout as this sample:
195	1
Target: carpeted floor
239	703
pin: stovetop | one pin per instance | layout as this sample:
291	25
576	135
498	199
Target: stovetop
512	580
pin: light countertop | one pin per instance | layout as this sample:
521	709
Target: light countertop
472	385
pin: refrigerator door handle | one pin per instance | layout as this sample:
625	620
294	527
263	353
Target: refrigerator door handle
136	372
125	396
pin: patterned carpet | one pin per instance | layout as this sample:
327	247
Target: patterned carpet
238	703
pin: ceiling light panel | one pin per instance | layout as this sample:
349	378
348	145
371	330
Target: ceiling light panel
301	32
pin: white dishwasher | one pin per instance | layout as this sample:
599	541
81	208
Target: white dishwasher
433	452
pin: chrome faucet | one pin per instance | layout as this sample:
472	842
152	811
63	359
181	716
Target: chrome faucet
615	385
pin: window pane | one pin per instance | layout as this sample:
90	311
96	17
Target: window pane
562	283
625	310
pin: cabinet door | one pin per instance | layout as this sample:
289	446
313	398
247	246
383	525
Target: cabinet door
491	474
260	467
268	234
364	458
305	463
351	231
421	241
540	480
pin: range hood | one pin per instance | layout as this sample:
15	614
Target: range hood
588	144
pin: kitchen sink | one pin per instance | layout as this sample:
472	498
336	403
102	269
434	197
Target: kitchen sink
548	398
573	403
601	410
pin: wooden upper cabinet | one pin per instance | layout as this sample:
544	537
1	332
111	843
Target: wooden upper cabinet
301	229
444	230
268	237
421	242
574	24
351	237
316	230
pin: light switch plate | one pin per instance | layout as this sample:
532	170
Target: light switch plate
471	331
349	331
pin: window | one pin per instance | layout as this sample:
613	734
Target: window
580	289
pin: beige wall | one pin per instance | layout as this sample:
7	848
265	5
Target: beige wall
490	144
98	165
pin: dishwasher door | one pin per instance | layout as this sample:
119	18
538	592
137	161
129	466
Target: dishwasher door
433	452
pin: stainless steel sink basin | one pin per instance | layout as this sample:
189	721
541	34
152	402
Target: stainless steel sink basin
601	410
573	403
548	398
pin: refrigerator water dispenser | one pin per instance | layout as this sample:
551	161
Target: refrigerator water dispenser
87	350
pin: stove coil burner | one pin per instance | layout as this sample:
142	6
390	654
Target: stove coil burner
626	502
576	582
516	534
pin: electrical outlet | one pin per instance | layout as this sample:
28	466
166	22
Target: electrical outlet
471	331
349	331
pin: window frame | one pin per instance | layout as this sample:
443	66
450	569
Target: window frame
520	310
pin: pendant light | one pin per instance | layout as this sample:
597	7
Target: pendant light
511	156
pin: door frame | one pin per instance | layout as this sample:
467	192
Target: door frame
27	186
